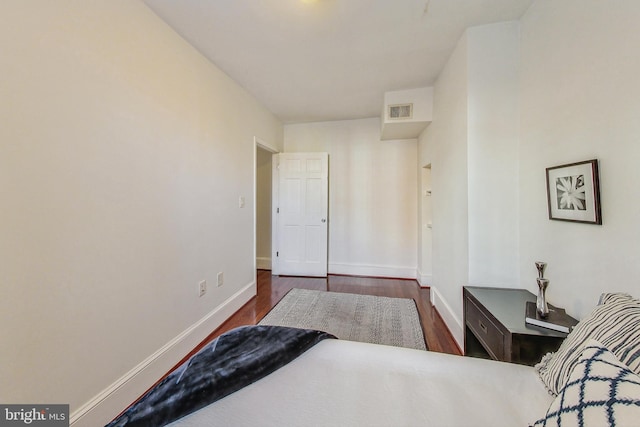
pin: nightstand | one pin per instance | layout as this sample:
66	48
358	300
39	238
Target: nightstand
494	326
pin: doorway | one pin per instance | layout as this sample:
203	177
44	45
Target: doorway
263	167
425	246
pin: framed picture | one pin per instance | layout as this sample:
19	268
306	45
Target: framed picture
573	192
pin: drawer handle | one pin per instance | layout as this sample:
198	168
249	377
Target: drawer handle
482	326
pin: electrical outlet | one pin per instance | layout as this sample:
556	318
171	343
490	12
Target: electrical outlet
202	288
220	278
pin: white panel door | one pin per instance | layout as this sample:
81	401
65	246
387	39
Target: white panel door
303	181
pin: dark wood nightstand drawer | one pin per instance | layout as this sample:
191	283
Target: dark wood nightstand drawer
488	334
494	326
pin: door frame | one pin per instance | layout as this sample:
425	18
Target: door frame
262	144
275	198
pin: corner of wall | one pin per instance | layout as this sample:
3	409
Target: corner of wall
425	280
448	315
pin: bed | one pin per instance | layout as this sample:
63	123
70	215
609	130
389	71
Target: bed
347	383
343	383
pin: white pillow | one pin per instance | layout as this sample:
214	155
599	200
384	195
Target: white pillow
615	323
601	391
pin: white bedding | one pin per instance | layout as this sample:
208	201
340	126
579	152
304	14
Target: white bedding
345	383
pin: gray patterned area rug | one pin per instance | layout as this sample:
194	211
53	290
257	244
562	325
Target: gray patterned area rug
365	318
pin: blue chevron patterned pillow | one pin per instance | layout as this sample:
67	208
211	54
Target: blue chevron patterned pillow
601	391
614	323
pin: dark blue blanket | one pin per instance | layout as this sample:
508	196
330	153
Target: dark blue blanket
232	361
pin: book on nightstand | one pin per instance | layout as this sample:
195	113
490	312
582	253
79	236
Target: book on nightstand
558	319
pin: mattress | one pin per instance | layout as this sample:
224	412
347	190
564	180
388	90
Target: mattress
349	383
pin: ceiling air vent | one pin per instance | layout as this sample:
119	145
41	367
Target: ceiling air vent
400	111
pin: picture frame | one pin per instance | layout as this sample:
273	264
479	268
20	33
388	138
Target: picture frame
573	192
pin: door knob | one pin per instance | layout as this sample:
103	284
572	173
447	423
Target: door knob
323	220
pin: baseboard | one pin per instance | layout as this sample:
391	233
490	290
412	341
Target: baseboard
263	263
372	270
423	279
113	399
448	315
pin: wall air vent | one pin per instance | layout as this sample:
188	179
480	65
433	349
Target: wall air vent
400	111
406	113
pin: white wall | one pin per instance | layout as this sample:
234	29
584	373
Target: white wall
472	147
575	96
492	158
444	145
580	99
123	155
372	195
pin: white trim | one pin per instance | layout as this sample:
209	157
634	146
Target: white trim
263	263
264	145
114	399
425	280
275	202
448	315
372	270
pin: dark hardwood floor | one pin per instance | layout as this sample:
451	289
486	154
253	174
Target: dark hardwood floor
271	289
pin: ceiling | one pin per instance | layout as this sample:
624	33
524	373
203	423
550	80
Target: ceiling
324	60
